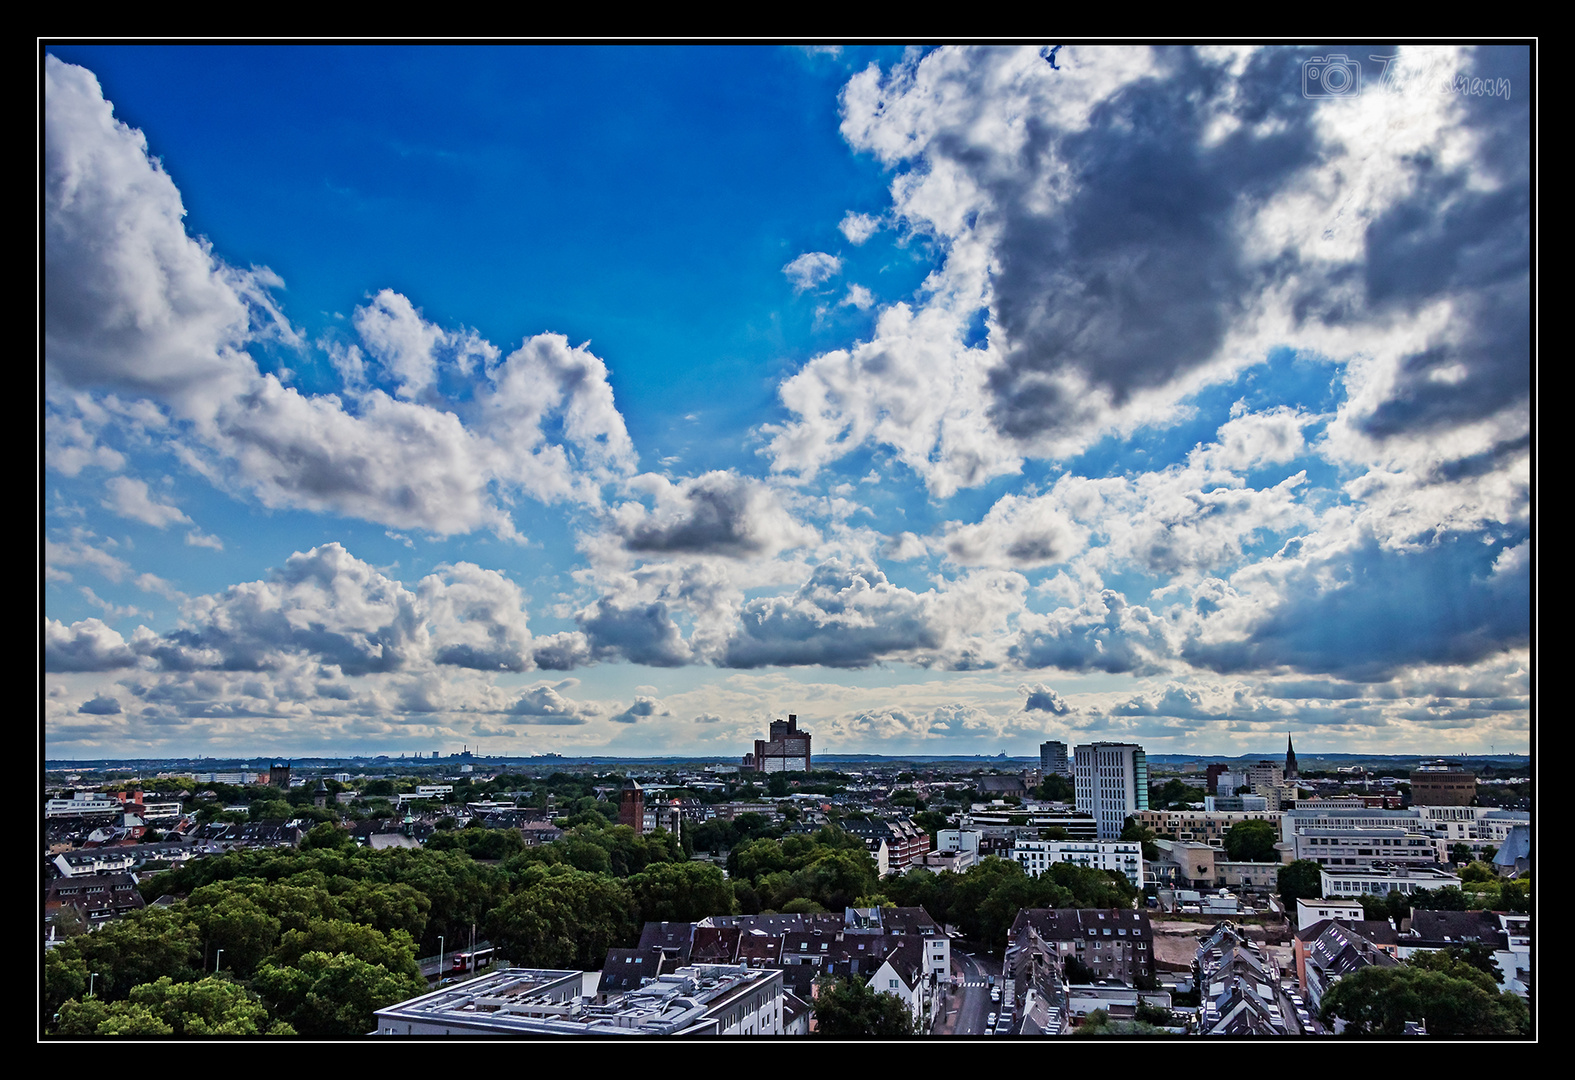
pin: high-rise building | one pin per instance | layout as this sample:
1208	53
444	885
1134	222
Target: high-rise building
786	751
1111	781
1053	759
1438	783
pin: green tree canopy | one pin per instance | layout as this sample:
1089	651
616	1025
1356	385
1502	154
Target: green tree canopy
849	1009
1252	841
1455	999
1299	880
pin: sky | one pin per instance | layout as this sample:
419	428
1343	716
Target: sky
401	399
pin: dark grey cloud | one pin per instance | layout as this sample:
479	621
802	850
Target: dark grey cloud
640	633
643	708
717	520
719	513
100	706
1137	276
561	652
1455	602
1042	698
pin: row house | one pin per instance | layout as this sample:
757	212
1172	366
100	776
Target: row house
1239	986
1114	943
96	897
905	842
1339	949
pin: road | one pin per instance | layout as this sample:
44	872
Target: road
969	1004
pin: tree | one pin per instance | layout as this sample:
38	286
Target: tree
1299	880
681	892
1099	1023
1459	853
1455	999
848	1008
327	835
336	996
562	917
1251	841
211	1006
1133	831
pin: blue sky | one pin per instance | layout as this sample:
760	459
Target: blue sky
619	399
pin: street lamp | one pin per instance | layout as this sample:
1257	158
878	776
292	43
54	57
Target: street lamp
440	960
216	961
91	978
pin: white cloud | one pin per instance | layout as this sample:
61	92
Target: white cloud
130	499
859	297
1143	223
811	269
858	227
134	304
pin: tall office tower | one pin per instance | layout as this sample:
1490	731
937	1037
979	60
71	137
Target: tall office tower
1111	780
1053	759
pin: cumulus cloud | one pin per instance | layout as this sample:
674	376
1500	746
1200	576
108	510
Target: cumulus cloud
640	633
332	608
859	297
643	708
135	305
843	616
544	705
811	269
720	513
82	550
1041	698
100	706
858	227
903	547
88	645
1136	224
1103	633
1017	532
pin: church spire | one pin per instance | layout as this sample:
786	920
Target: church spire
1290	758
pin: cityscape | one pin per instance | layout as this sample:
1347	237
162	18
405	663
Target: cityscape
858	541
771	896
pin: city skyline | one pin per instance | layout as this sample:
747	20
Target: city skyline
619	401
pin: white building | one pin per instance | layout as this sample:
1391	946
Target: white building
1322	910
1382	881
83	804
1123	857
704	999
1111	780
